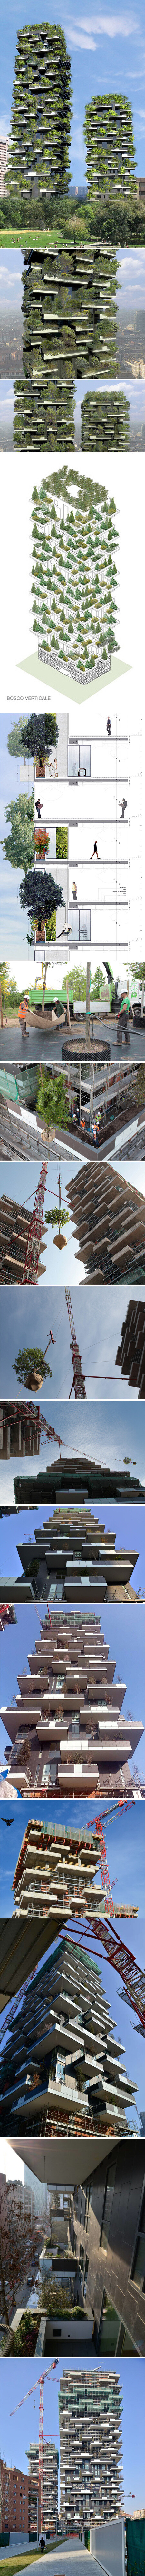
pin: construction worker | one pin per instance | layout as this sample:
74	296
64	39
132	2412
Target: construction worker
23	1008
123	803
123	1015
108	727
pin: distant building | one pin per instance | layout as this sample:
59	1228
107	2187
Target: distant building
110	154
68	1732
17	2507
4	147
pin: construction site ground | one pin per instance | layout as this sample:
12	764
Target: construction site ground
47	1043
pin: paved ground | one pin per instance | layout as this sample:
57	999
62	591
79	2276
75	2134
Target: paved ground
68	2556
46	1044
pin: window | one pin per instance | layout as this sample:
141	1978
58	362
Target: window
108	2198
138	2266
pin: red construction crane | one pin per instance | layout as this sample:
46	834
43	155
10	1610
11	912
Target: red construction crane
38	2383
31	1263
78	1380
121	1958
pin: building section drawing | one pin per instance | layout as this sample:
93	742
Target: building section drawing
98	800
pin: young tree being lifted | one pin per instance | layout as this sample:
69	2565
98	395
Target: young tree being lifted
31	1366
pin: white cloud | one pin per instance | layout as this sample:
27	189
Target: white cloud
84	30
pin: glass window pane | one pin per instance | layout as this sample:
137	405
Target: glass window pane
73	760
85	759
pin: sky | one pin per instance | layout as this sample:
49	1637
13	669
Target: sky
131	2374
105	1432
125	1635
106	46
28	1316
124	1838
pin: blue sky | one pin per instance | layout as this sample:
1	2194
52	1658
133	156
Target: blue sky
27	1317
111	1434
124	1838
106	46
21	2428
124	1634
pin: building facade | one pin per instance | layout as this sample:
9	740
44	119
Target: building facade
73	534
62	2066
130	1356
4	146
67	1728
20	1428
49	2483
38	158
105	420
109	1225
69	311
16	2502
110	153
76	1480
106	2233
91	2465
58	1873
15	1239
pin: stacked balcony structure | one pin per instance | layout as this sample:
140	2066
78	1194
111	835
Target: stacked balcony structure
130	1356
67	1730
38	151
109	1222
91	2464
105	420
57	1875
62	2071
74	577
69	329
110	153
14	1243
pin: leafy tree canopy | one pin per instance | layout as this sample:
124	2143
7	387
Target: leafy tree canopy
39	894
34	738
52	1215
52	1099
30	1359
18	847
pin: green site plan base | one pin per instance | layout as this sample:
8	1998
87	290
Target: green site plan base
45	672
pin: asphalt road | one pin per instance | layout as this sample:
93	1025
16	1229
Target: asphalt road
46	1044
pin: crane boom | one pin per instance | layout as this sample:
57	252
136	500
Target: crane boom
38	2383
31	1263
78	1378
